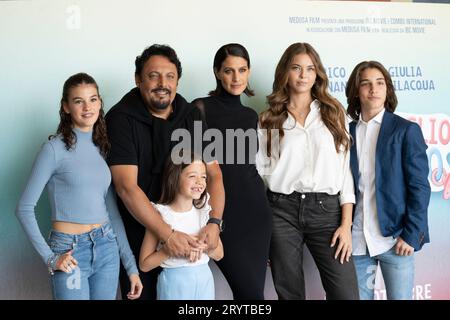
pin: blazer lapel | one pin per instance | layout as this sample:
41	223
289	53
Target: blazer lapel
354	156
386	129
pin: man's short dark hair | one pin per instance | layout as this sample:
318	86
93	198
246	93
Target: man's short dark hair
157	50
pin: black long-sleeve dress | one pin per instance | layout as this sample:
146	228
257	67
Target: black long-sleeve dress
247	215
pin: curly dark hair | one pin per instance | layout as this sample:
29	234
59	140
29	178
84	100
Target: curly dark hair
65	127
157	50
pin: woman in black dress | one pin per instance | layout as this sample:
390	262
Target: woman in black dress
247	215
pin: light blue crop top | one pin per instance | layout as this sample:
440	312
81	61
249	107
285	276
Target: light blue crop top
78	184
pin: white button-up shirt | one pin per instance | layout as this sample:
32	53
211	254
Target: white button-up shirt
306	159
366	228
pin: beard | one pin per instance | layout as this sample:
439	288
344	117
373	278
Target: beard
159	104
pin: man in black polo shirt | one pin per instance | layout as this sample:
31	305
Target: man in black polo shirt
140	126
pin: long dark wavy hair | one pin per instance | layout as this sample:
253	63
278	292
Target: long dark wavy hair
65	127
235	50
352	88
331	110
171	180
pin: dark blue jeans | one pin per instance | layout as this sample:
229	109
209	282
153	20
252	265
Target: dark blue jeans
311	219
97	274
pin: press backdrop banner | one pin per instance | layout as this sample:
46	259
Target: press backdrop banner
43	42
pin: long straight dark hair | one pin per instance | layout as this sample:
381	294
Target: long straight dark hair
231	49
65	127
171	180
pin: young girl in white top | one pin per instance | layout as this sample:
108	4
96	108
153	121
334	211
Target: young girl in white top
183	205
308	177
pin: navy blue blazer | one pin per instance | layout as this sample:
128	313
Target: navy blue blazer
401	179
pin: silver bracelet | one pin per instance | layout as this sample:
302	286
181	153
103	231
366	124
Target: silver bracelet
51	263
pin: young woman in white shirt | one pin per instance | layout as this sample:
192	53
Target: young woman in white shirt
304	161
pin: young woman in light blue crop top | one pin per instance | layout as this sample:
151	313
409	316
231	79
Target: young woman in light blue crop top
87	239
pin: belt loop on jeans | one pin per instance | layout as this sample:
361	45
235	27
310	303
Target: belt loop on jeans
75	240
103	228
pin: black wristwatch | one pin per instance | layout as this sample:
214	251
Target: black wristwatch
219	222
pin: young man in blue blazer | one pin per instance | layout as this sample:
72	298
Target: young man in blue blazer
390	171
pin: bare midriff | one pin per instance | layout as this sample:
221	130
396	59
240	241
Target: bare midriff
73	228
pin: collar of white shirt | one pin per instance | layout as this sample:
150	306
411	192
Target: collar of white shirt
290	121
378	118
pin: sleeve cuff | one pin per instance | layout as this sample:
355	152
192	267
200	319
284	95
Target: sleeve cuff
132	270
347	198
121	161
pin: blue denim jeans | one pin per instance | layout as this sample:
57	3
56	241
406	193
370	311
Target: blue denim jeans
97	273
398	274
